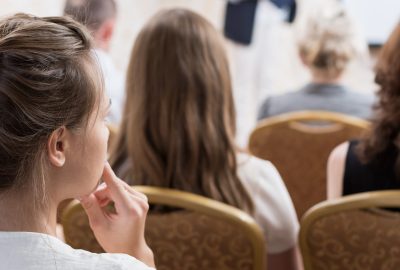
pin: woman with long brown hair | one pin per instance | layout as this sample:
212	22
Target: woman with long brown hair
53	146
178	128
373	163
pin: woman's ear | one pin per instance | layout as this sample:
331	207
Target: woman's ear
107	30
104	34
56	147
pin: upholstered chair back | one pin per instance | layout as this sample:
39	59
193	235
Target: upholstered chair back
357	232
185	231
299	144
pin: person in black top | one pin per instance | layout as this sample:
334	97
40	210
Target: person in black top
373	163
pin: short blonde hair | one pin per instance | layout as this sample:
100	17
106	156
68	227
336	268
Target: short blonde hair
326	43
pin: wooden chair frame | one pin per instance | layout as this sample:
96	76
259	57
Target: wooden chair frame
310	115
203	205
375	199
338	128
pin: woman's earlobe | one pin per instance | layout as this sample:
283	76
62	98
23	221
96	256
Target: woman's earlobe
55	147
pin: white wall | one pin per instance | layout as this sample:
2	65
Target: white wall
269	66
132	16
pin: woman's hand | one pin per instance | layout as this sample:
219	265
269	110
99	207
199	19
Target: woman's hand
122	230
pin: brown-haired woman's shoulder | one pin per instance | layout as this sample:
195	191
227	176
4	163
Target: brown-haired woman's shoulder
274	210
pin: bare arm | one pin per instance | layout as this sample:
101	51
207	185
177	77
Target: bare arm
287	260
335	173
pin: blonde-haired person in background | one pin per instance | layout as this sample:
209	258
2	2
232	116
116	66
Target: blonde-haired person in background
53	146
327	44
372	163
178	129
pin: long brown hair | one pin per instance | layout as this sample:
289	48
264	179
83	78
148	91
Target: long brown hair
179	122
46	81
385	129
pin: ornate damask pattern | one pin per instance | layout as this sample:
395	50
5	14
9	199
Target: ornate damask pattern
356	240
180	240
186	240
301	157
78	233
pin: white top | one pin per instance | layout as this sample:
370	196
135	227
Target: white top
36	251
273	207
114	85
274	210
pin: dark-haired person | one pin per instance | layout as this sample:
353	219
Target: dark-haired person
53	146
178	129
99	16
372	163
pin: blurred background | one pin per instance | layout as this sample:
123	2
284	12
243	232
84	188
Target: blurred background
270	64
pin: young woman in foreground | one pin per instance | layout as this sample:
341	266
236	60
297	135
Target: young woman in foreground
53	143
178	129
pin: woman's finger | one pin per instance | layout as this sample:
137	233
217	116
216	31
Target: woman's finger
93	210
134	192
117	190
102	193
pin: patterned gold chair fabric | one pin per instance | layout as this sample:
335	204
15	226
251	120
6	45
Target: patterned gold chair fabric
355	232
194	233
77	232
299	144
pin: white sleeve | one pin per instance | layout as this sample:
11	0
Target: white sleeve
274	210
120	262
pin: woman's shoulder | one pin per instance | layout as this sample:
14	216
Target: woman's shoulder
28	250
246	160
253	167
274	209
259	176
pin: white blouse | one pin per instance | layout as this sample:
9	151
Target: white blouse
36	251
274	210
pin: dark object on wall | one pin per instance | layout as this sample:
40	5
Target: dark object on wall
239	21
240	16
289	6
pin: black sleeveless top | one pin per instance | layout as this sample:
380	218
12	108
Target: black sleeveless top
376	175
